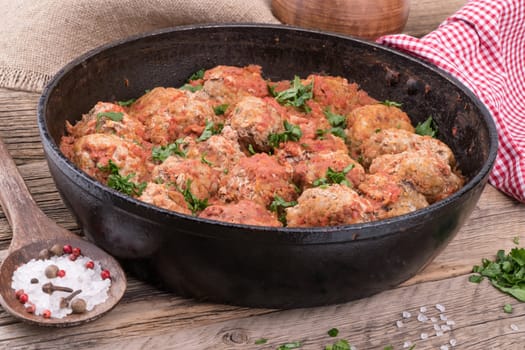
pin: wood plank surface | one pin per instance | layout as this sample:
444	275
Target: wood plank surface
148	318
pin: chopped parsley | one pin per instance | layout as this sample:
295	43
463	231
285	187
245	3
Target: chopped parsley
333	332
220	109
507	308
115	116
337	122
335	177
194	204
296	95
209	130
516	240
122	183
507	272
251	149
205	161
427	128
197	75
261	341
161	153
341	344
291	133
191	88
278	205
292	345
391	103
126	103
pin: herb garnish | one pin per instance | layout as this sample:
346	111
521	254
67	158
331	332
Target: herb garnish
335	177
338	123
194	204
161	153
209	130
197	75
296	95
507	272
251	149
127	103
220	109
507	308
333	332
278	205
191	88
341	344
516	240
291	133
391	103
261	341
122	183
205	161
115	116
292	345
427	128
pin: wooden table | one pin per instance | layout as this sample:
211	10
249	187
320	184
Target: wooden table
148	318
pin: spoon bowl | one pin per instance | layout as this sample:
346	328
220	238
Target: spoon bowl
33	231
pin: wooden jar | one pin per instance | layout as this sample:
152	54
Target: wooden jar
367	19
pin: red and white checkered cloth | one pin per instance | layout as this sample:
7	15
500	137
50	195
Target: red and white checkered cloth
483	45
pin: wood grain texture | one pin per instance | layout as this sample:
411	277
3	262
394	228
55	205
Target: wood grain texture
148	318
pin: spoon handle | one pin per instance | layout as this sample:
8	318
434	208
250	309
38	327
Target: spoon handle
29	224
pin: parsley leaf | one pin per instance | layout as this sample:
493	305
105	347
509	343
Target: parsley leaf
191	88
333	332
291	133
220	109
338	123
507	308
209	130
278	205
427	128
341	344
122	183
292	345
261	341
126	103
115	116
296	95
160	153
507	272
391	103
194	204
197	75
335	177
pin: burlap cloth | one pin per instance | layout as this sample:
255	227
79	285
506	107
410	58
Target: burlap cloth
38	37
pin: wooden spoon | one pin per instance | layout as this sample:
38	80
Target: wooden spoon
33	231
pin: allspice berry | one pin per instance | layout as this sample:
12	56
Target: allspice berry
43	254
51	271
78	306
56	249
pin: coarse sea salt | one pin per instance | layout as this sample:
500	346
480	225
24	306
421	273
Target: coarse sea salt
89	281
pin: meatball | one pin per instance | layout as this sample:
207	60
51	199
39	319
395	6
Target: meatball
392	141
227	84
258	178
295	152
329	206
188	174
338	94
244	212
255	119
219	152
365	121
429	174
321	165
108	118
186	114
165	196
394	197
153	102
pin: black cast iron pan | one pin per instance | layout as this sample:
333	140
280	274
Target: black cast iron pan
261	266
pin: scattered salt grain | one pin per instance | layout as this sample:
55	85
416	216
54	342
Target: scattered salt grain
406	314
352	347
424	336
94	288
407	344
443	347
440	307
439	333
437	327
422	318
423	309
445	328
399	324
433	319
443	317
514	327
453	342
451	323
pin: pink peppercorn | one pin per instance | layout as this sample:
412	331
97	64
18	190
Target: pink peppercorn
67	249
46	313
73	257
61	273
76	251
23	298
90	264
105	274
